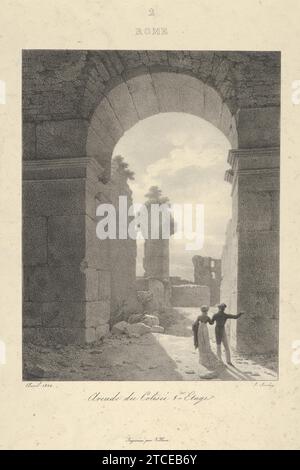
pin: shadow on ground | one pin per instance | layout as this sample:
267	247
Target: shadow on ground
152	357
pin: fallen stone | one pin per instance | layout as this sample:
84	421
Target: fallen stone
151	320
157	329
209	375
138	329
120	328
135	318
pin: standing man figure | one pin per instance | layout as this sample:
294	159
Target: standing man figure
220	318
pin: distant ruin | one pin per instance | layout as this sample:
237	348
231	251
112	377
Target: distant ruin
156	260
207	272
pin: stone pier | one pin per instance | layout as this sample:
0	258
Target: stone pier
66	270
156	260
156	251
251	255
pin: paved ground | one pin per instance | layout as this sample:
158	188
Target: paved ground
169	356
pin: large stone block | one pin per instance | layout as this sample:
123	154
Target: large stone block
150	320
258	261
98	125
255	210
66	239
101	331
213	106
123	106
144	96
259	127
91	285
192	101
253	118
190	295
168	93
257	330
259	181
52	284
65	322
34	241
61	138
226	121
265	137
142	284
108	120
54	314
54	336
95	145
97	251
59	197
91	206
97	313
137	329
158	301
90	335
104	285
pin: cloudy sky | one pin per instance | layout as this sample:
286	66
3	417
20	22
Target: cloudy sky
186	157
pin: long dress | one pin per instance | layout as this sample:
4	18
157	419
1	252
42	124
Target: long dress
206	357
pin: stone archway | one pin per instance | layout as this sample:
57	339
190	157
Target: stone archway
121	107
76	106
147	94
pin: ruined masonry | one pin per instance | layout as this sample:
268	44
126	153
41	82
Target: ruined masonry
76	106
156	260
207	272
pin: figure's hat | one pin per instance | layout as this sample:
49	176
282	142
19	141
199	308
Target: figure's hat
222	306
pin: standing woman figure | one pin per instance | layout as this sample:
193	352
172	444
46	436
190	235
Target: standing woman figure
202	341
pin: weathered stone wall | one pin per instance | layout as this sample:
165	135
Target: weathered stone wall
63	88
190	295
66	278
256	191
207	272
228	287
160	294
177	280
251	254
122	252
156	260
